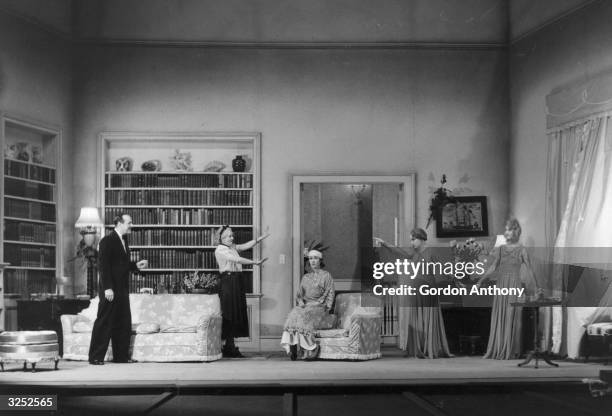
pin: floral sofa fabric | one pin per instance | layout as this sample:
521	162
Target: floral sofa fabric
164	328
357	336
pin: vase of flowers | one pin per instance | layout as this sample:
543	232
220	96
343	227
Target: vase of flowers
469	251
200	282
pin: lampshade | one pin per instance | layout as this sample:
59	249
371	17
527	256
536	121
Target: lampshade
500	241
89	218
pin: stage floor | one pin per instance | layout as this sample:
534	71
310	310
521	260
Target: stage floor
276	369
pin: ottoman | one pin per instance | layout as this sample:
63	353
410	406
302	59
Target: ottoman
29	347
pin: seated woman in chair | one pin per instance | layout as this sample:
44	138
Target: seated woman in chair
313	302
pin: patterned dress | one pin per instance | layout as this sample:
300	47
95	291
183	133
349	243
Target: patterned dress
421	324
505	334
313	302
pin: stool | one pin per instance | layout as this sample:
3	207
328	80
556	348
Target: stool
600	333
473	341
30	347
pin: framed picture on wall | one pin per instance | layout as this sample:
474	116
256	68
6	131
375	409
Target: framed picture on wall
465	216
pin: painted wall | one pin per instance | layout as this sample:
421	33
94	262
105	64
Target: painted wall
529	15
480	21
56	15
319	111
574	50
35	84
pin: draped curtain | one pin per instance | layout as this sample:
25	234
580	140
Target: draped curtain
578	207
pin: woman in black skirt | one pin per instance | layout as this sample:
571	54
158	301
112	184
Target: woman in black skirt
232	293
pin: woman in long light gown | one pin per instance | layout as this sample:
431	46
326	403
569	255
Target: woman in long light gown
421	326
506	320
311	312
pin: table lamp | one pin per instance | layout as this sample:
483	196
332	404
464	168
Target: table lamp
88	224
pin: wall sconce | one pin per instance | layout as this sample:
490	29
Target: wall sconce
88	224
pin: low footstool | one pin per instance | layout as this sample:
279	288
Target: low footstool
28	346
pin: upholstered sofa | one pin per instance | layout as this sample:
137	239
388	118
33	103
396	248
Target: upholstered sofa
164	328
357	335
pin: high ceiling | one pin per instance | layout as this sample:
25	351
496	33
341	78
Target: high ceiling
294	21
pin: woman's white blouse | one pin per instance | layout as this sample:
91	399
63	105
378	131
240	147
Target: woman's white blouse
227	259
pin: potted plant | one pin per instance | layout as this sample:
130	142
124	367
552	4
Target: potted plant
441	197
200	282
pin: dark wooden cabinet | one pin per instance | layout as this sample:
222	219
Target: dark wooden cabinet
462	322
33	315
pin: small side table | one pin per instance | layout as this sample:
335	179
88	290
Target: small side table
537	354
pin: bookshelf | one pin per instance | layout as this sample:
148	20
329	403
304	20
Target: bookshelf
176	211
29	210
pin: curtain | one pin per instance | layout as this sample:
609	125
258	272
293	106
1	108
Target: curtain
579	200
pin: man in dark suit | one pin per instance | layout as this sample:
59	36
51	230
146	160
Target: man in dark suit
114	320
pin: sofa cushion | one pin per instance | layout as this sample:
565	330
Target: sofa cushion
147	328
91	312
173	310
178	328
82	326
328	322
332	333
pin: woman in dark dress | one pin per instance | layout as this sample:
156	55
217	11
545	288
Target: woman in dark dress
232	293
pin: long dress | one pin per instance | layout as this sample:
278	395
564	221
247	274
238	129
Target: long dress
313	302
421	324
505	334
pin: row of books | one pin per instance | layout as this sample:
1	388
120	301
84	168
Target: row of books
25	282
28	171
178	180
177	197
29	210
184	216
29	232
169	282
182	237
34	190
179	258
29	256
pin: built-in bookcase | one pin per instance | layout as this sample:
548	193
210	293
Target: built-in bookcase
176	210
29	211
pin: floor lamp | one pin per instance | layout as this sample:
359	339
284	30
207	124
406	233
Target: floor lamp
88	224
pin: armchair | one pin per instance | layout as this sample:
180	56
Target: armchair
358	332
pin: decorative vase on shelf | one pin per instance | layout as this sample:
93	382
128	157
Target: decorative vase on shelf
238	164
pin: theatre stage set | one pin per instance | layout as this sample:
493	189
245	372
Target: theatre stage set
269	384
